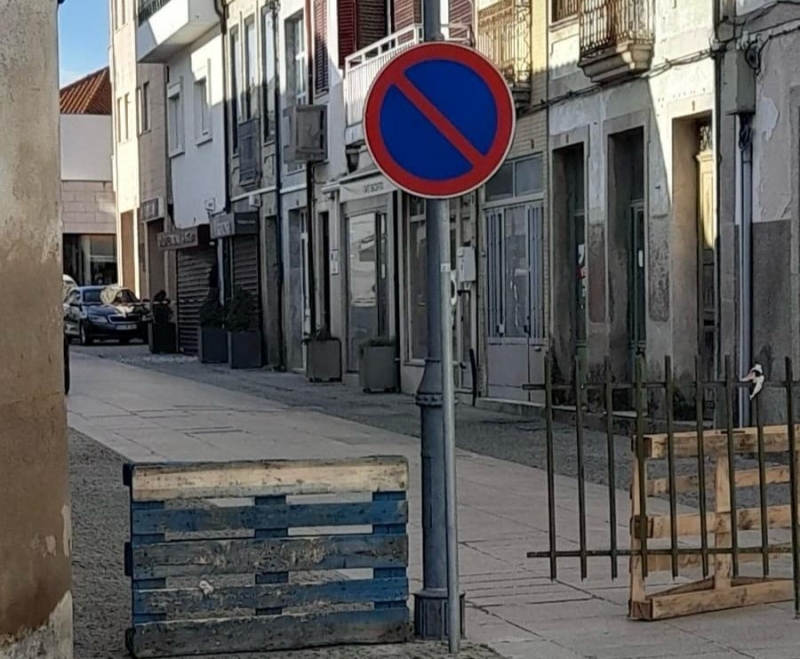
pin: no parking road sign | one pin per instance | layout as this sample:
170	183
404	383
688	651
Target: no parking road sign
439	120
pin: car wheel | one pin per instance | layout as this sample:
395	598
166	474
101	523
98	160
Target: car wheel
83	335
124	341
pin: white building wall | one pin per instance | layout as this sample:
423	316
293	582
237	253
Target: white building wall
198	171
86	147
87	207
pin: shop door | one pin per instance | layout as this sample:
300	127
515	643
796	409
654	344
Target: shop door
194	272
516	300
366	282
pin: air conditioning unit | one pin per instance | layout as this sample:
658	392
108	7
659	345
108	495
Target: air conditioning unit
254	200
308	135
210	204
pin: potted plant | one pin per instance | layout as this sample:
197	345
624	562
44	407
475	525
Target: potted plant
323	357
244	339
213	337
162	333
378	365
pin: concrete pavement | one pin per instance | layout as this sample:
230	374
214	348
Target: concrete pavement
512	604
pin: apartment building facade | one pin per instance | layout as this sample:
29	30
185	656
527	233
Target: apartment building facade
633	186
140	167
87	195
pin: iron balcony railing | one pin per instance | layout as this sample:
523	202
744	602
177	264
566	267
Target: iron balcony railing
504	36
563	9
149	7
361	67
605	24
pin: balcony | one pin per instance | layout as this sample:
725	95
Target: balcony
504	36
616	38
167	26
360	70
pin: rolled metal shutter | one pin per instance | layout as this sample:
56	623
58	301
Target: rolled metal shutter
245	266
194	268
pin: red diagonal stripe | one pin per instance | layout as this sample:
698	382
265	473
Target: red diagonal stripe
440	122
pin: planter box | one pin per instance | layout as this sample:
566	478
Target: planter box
244	349
324	360
213	345
378	368
162	338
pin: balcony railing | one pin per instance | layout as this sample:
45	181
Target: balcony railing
608	24
361	67
504	36
149	7
565	9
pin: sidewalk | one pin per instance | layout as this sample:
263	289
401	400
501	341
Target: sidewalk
511	603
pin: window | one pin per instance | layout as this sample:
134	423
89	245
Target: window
320	46
268	63
119	13
296	60
516	178
563	9
127	126
144	108
120	119
250	76
202	114
516	272
235	85
175	119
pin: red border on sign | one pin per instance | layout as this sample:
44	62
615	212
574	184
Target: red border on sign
491	162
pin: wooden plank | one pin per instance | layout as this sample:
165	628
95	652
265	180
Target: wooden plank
689	560
197	480
744	478
637	589
217	518
778	517
175	603
249	555
666	606
395	530
723	564
246	634
269	503
716	441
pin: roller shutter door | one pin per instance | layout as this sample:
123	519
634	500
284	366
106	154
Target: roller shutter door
194	269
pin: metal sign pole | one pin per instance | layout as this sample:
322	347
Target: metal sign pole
448	402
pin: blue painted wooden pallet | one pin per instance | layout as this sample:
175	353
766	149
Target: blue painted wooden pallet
209	579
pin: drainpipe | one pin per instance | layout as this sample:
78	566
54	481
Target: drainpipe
278	186
221	7
745	260
718	55
312	288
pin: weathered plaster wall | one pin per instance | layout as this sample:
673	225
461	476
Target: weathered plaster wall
35	529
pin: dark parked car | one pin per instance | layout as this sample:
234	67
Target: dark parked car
105	312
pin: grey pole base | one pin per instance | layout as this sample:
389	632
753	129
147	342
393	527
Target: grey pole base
430	615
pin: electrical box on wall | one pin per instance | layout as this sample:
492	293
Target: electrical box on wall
465	266
739	90
308	135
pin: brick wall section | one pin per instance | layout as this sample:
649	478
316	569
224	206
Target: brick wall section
88	207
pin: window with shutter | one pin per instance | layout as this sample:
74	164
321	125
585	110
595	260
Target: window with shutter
407	13
460	19
346	12
370	22
320	45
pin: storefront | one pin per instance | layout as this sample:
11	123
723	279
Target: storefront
368	215
196	260
239	236
90	259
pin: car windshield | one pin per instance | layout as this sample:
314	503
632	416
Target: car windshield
109	295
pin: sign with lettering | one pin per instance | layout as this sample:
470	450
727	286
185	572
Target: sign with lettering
234	224
368	187
180	239
151	210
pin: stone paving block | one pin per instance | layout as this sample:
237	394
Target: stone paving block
534	649
562	612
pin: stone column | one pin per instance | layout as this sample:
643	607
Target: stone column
35	530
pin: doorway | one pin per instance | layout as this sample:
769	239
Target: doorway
367	309
298	312
627	254
127	255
